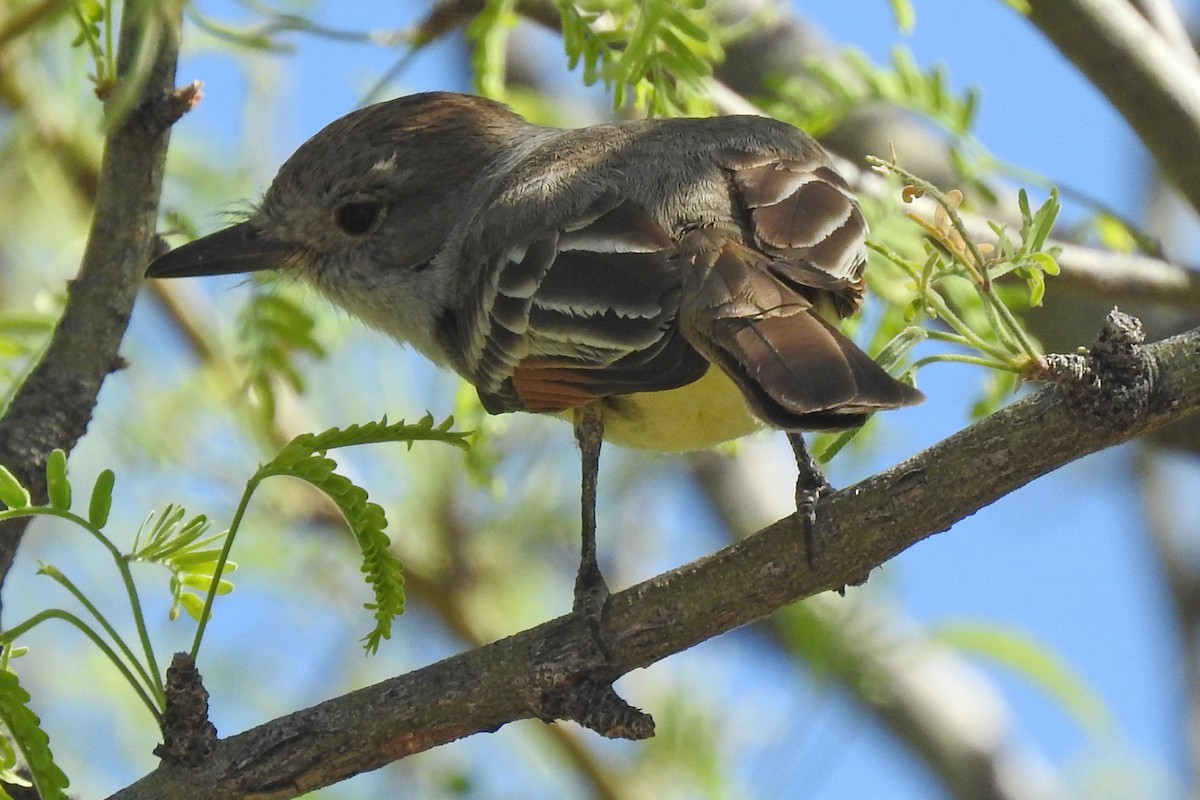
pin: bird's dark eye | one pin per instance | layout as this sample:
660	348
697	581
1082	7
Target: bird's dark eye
357	218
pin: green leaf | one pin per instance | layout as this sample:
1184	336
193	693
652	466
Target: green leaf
489	34
304	458
1017	652
101	501
369	433
906	16
896	351
201	562
1046	263
1043	221
1114	234
203	582
192	605
58	488
12	493
169	542
654	51
272	329
160	531
91	10
8	768
30	739
970	105
684	24
1037	287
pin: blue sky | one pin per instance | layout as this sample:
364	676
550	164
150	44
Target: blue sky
1066	559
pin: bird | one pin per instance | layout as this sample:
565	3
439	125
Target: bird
664	284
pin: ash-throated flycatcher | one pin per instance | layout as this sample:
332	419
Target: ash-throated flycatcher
667	284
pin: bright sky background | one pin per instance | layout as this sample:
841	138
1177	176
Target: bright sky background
1065	560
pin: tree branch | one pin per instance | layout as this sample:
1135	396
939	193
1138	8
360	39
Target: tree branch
53	407
1141	73
1121	392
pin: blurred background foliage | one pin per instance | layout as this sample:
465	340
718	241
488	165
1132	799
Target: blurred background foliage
890	691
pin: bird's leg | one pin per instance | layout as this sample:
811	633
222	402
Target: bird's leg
591	591
810	485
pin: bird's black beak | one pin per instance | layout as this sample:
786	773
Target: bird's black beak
241	248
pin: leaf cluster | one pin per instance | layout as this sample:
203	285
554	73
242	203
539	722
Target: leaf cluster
178	542
953	290
305	458
273	327
196	562
94	21
831	90
960	286
656	55
45	777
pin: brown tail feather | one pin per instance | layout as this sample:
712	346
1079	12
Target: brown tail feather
796	370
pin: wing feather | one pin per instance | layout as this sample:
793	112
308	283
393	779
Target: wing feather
796	370
583	312
802	213
609	302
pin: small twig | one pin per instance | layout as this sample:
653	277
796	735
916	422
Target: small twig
160	113
189	738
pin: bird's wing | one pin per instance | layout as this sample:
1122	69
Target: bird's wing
583	312
751	306
803	214
794	368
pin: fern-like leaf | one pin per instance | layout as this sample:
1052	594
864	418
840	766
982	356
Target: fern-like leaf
488	33
27	734
272	328
657	54
181	546
304	457
821	100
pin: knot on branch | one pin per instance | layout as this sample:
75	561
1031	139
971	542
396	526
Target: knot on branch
596	705
157	114
188	736
1114	382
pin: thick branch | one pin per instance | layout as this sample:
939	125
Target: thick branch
1142	75
53	407
858	529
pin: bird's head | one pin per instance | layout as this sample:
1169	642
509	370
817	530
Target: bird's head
362	208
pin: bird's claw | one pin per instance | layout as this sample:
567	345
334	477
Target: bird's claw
591	596
807	498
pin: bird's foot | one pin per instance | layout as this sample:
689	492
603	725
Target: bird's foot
807	497
811	486
591	596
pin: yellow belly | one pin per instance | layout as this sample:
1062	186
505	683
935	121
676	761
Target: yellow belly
693	417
